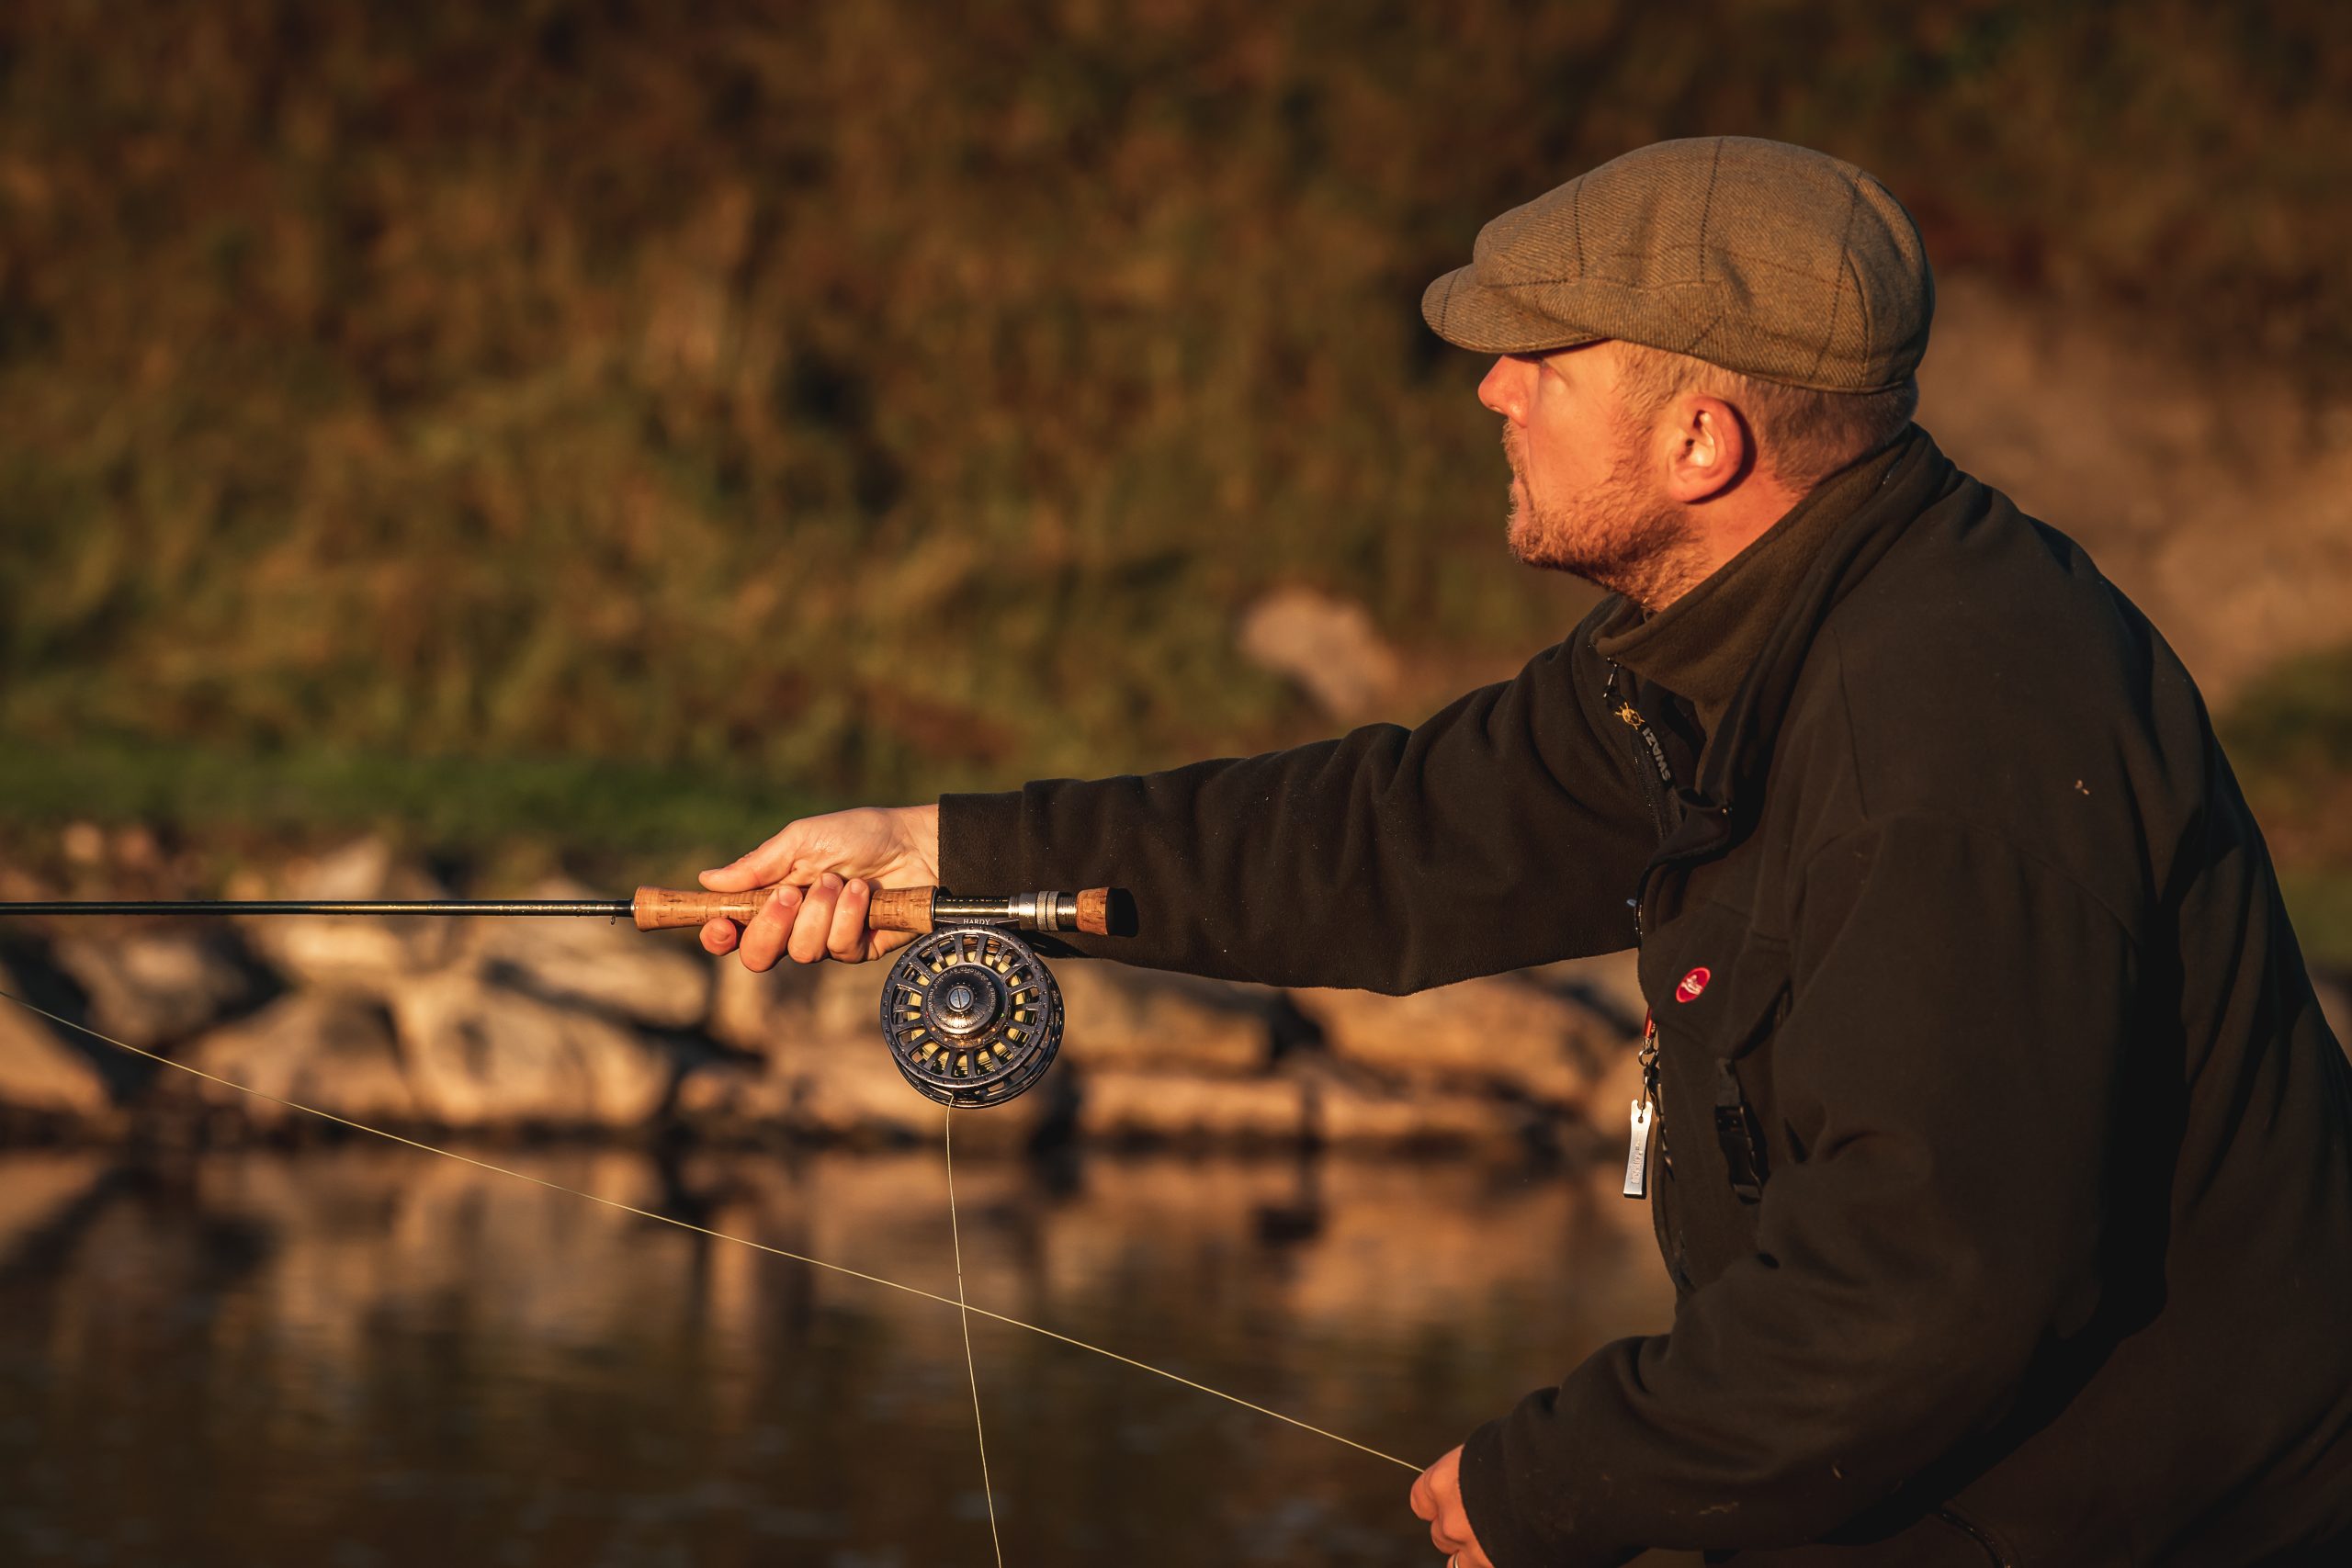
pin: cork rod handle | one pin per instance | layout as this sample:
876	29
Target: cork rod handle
900	909
674	908
893	909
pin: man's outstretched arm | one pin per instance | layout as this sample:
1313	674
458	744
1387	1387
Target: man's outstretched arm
1506	830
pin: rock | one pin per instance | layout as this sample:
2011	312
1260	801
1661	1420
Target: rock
1610	984
1115	1017
137	849
350	954
327	1051
846	1088
148	987
1165	1107
364	868
19	886
43	1075
756	1012
1328	646
845	999
605	964
84	843
346	952
1346	1110
479	1056
1502	1032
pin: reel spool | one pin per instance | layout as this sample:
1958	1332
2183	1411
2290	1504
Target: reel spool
972	1015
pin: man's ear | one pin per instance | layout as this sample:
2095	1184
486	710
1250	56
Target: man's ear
1712	449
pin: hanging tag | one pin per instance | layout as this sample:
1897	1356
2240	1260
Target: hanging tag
1637	1151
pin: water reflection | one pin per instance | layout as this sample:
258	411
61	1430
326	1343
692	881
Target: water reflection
364	1355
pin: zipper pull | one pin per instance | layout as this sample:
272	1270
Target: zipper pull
1644	1117
1627	712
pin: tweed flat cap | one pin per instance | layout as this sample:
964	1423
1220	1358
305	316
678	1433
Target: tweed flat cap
1771	260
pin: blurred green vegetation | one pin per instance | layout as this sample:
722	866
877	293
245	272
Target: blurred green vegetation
856	400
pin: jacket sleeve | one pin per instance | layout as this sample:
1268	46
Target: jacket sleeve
1950	1067
1505	831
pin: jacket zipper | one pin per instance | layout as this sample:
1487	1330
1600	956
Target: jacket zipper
1648	1112
1656	780
1660	776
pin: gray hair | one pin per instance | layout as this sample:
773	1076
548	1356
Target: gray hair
1802	434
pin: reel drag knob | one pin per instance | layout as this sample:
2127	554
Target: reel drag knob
972	1015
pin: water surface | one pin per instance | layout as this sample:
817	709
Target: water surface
365	1355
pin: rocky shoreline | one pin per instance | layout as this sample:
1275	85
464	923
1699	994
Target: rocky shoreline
514	1028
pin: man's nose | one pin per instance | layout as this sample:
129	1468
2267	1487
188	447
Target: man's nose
1504	389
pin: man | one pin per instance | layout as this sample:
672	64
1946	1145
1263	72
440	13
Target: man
1999	1153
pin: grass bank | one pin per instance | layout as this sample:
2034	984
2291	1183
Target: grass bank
756	406
856	394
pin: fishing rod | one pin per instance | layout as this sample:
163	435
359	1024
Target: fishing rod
916	910
970	1012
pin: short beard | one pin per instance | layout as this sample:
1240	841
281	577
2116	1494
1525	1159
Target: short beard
1620	537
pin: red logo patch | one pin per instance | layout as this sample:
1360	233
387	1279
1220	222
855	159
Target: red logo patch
1693	984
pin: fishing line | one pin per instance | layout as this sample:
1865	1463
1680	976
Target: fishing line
717	1236
963	1315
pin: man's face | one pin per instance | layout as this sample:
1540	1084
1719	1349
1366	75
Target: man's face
1584	493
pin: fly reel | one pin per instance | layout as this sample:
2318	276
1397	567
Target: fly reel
972	1015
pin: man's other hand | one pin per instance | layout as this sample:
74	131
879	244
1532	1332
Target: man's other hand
1437	1497
828	866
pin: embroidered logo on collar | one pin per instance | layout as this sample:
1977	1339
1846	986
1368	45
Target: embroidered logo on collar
1693	984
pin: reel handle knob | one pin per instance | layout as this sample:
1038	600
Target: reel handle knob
893	909
1094	910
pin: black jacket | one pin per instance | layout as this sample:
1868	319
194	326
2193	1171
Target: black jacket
2005	1175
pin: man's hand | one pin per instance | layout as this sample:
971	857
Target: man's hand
1437	1497
829	867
